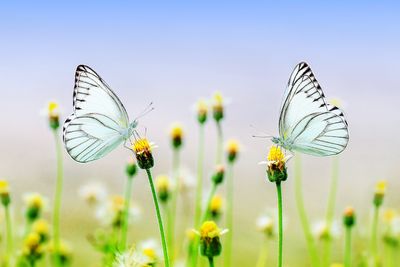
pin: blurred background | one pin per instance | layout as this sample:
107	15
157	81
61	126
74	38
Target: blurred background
175	52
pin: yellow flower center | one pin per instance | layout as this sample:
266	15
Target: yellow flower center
389	215
4	187
52	108
276	154
380	187
150	252
32	240
41	227
209	229
35	200
218	99
141	145
216	203
163	183
176	131
202	107
117	203
232	146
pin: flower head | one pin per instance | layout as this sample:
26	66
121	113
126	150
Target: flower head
218	176
131	168
53	113
216	206
151	249
5	193
232	149
142	149
349	217
380	190
132	258
276	164
218	106
163	185
64	253
176	135
210	245
35	204
93	193
32	248
41	227
323	231
202	110
266	224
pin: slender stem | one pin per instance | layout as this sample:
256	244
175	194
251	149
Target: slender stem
57	198
170	225
159	219
312	249
174	201
229	216
211	261
206	214
125	220
280	253
347	259
330	211
9	237
263	256
219	143
199	193
374	235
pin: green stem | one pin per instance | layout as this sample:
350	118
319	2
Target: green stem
330	211
170	225
262	258
57	198
219	143
374	235
125	220
211	261
229	216
199	194
9	237
347	259
206	214
280	253
174	201
159	219
312	249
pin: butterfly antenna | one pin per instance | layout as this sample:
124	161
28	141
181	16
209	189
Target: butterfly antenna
146	110
261	135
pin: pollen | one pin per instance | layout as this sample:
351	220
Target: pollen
209	229
380	187
141	146
4	187
276	155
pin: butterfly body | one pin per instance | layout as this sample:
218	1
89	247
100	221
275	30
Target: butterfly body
307	123
99	122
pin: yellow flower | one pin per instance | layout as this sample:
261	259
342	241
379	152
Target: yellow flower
216	205
232	149
163	186
34	200
389	215
276	165
202	110
380	190
176	135
349	217
32	241
276	155
53	109
142	148
209	229
4	187
218	106
41	227
150	249
117	203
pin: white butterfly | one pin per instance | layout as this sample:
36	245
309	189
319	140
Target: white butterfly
99	122
307	123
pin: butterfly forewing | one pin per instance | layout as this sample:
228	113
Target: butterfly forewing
307	122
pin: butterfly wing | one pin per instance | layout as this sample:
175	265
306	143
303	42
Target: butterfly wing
307	122
99	120
93	95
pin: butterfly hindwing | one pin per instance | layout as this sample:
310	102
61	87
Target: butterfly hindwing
91	136
307	122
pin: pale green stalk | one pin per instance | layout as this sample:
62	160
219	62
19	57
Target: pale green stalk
330	212
174	201
125	220
263	256
170	226
206	214
220	141
312	249
9	233
159	219
374	235
199	193
229	216
347	259
280	219
57	198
